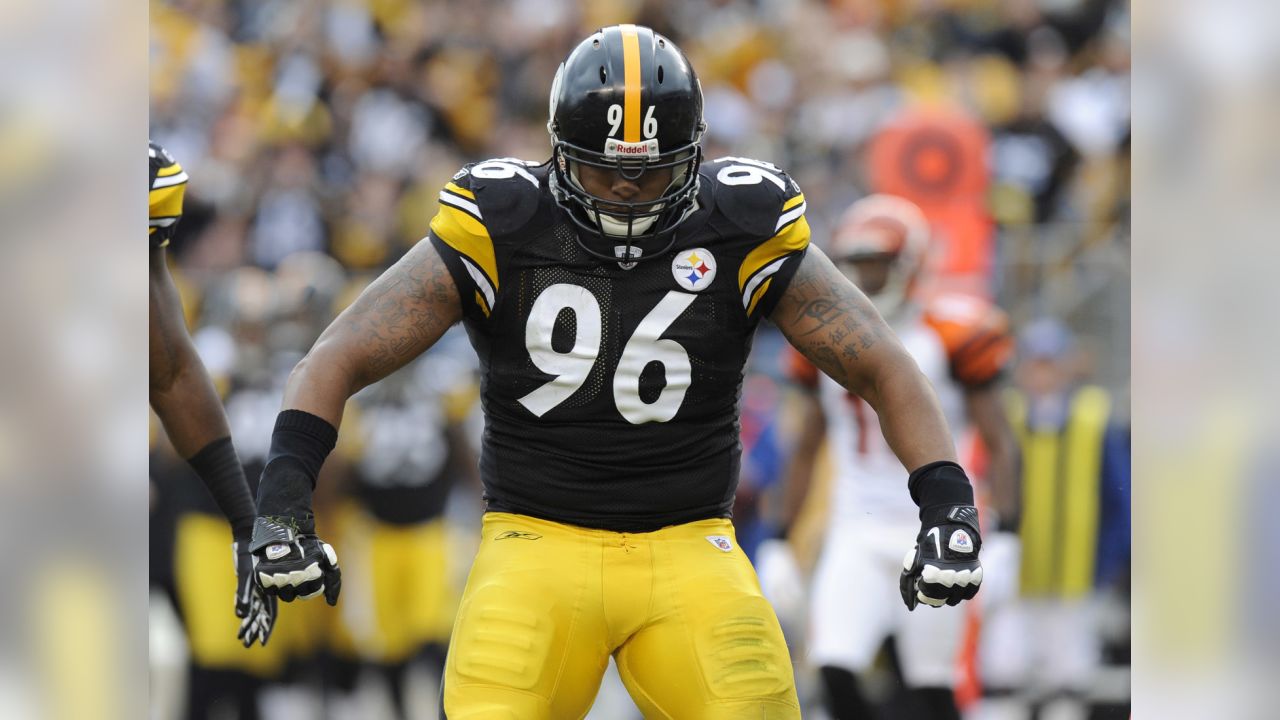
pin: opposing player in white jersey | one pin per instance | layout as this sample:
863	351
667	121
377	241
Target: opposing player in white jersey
962	345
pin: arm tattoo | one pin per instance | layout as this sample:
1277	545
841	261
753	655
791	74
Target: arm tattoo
829	320
403	312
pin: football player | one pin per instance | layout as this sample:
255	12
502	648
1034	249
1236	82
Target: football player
611	295
962	346
184	399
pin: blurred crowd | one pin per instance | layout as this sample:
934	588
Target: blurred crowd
317	134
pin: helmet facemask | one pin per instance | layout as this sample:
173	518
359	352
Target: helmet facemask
632	226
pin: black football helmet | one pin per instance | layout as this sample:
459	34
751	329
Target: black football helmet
626	100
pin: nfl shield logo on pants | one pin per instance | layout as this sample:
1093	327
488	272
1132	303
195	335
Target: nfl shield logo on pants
721	542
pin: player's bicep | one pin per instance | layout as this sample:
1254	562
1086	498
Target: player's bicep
396	318
834	325
167	328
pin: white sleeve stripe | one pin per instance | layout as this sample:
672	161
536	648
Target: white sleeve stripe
481	281
164	182
163	221
790	215
759	277
462	204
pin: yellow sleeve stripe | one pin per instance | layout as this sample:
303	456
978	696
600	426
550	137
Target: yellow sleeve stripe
464	233
792	202
759	293
792	238
459	190
166	171
166	202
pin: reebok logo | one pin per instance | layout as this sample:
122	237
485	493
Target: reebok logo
521	534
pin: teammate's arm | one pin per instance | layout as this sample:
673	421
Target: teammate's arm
395	319
187	404
834	325
182	394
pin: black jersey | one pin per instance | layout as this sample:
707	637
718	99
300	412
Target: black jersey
167	184
609	392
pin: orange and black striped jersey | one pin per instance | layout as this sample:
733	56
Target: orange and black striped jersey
975	334
610	392
168	183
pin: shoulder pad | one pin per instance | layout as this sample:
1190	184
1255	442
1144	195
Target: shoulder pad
975	334
167	184
506	192
759	197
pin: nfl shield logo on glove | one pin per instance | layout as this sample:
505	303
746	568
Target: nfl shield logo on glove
960	542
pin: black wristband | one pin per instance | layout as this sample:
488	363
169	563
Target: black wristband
284	495
300	443
304	437
940	483
219	467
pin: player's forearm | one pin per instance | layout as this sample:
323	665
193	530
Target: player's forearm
910	416
322	382
188	406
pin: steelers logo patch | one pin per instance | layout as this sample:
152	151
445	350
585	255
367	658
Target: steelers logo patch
694	269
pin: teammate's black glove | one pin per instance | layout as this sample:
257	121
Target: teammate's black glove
943	569
255	608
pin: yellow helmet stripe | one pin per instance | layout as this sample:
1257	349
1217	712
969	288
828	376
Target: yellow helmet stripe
631	76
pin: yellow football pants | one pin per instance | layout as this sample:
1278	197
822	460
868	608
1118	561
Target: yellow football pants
680	610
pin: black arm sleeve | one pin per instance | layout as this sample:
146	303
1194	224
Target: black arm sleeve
219	467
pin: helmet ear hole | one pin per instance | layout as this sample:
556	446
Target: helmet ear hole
603	79
659	74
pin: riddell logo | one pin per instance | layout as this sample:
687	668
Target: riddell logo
617	148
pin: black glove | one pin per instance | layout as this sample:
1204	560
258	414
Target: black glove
943	568
255	607
289	560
